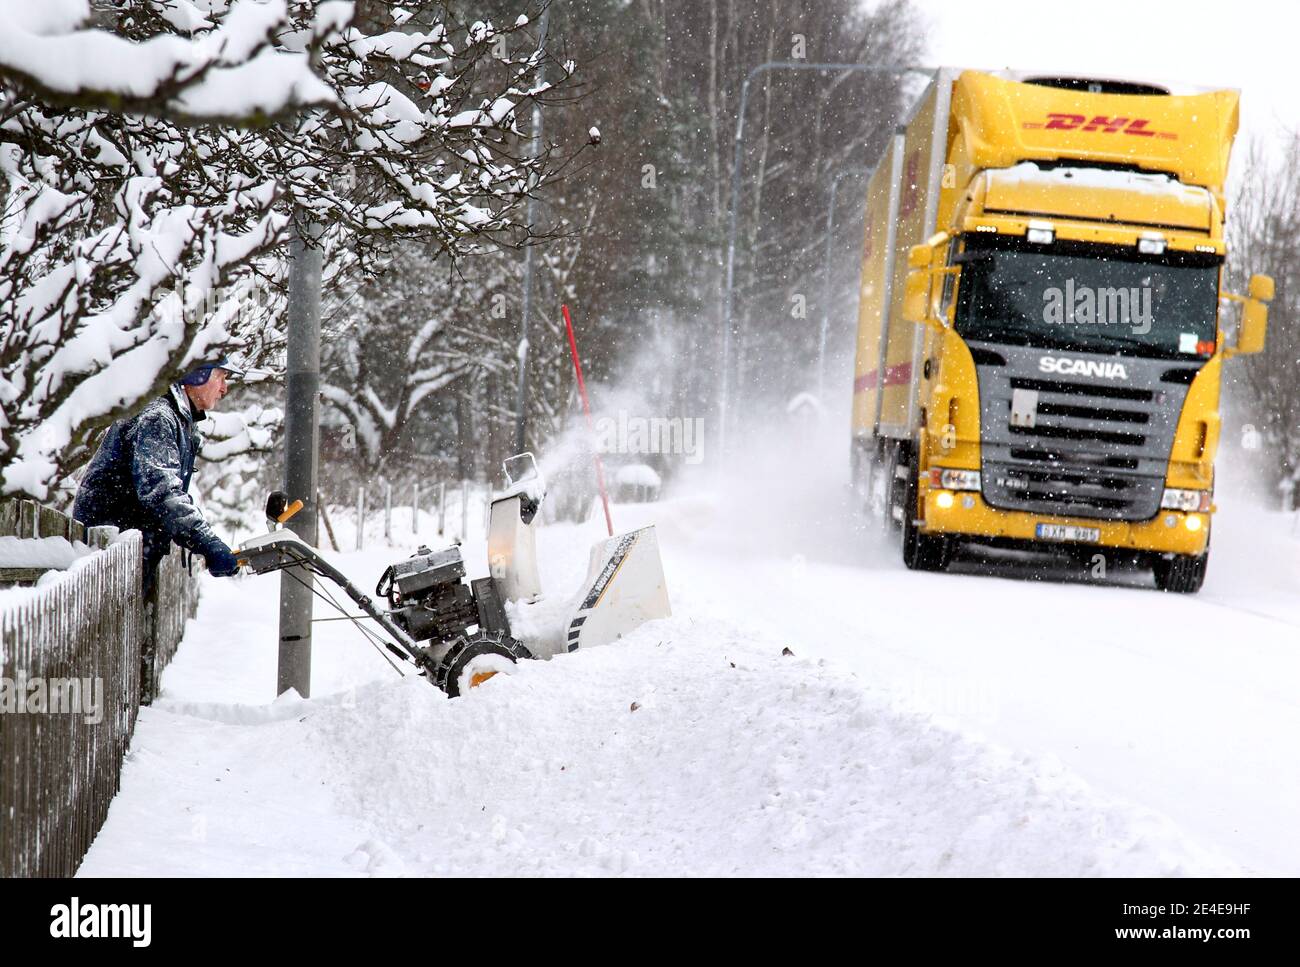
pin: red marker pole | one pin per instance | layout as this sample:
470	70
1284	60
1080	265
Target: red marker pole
591	427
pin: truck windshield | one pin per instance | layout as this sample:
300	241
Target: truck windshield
1087	298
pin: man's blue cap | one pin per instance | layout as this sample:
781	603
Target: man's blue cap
200	373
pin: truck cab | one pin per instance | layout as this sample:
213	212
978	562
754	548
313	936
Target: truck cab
1067	367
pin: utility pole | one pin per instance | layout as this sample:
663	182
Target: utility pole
535	148
302	427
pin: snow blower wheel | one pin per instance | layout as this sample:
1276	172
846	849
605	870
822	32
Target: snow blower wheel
472	661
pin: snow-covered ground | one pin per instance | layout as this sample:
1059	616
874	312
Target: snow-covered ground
925	724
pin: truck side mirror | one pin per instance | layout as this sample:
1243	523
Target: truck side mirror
1254	315
1254	325
1260	287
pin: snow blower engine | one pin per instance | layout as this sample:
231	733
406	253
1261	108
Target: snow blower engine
429	599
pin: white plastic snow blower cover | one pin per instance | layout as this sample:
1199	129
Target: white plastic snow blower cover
625	587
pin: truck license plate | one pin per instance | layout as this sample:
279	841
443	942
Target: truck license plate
1067	532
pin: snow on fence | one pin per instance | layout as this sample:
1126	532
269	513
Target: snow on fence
72	653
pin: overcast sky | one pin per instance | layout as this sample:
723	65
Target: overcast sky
1250	45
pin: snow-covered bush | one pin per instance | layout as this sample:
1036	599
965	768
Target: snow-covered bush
158	156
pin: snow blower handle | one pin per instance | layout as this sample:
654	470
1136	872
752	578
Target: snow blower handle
278	510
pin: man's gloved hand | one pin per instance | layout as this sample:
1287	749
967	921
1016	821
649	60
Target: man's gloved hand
221	563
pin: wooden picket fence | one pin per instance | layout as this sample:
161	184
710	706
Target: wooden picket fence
61	755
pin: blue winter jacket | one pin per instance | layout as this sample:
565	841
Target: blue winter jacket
139	479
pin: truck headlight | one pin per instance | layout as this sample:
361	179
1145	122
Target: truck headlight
1040	234
1190	500
1151	243
955	479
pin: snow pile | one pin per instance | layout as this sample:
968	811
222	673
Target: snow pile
46	552
689	748
657	757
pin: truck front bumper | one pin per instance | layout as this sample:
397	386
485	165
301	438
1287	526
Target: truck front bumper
967	515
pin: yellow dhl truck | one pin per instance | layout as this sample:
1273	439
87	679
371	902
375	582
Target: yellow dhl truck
1040	343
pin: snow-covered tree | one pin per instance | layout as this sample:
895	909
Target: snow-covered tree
127	221
199	61
398	341
1264	237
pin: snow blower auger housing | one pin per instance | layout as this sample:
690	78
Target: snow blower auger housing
455	634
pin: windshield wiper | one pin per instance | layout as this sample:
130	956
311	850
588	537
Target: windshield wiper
1156	349
1008	333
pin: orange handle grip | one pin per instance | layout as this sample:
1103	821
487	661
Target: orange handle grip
290	511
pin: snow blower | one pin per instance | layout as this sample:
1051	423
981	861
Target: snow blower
458	635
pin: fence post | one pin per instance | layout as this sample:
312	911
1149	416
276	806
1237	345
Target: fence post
388	512
415	508
442	507
361	515
324	516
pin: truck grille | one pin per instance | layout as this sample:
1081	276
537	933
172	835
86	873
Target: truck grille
1095	449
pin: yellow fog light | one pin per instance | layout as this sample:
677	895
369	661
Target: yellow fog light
944	499
1193	522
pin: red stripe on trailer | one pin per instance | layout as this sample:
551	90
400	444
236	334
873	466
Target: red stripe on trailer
894	375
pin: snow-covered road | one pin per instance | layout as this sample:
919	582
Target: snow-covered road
954	724
1186	704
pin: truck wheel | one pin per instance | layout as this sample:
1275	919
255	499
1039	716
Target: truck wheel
1181	574
921	552
473	660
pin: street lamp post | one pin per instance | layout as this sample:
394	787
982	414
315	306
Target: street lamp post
735	205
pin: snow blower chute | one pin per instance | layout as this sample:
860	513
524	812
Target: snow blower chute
458	635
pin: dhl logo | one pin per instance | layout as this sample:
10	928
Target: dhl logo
1115	125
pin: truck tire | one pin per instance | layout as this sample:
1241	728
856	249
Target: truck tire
1181	574
921	552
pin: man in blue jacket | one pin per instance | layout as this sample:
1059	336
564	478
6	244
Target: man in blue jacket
139	477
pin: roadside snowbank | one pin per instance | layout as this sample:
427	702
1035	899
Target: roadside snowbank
691	747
